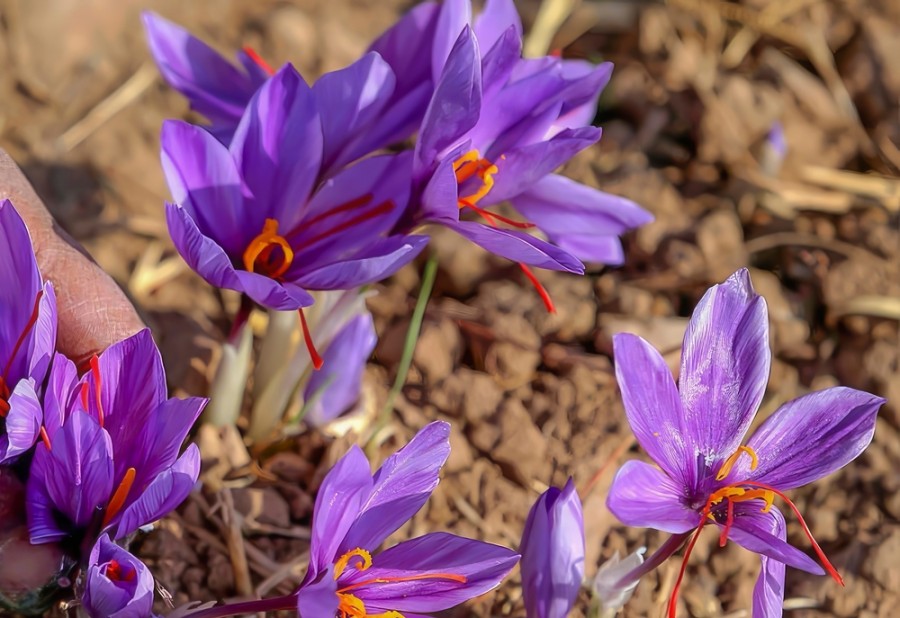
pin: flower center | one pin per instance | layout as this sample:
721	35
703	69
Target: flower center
742	491
351	606
114	571
269	254
4	386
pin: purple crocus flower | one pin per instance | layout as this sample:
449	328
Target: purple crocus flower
110	460
333	390
553	553
116	584
356	511
27	336
253	216
694	434
496	128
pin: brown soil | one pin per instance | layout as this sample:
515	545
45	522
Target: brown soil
532	399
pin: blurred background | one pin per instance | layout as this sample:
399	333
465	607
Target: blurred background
760	133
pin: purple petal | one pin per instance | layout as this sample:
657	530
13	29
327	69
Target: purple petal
205	181
333	389
763	533
553	553
524	166
518	246
164	493
380	259
209	260
353	209
724	367
319	597
563	208
349	101
653	407
278	148
580	96
60	393
74	479
454	16
811	437
483	566
338	503
214	87
23	421
497	18
401	487
456	103
768	593
406	46
42	339
126	594
645	497
499	62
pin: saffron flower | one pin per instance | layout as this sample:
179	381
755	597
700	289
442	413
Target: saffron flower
553	553
116	584
27	336
496	128
694	433
253	216
110	458
355	512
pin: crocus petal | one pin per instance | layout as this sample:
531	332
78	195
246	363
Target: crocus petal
483	566
561	207
645	497
763	533
338	504
811	437
401	487
456	103
209	260
724	367
59	393
353	209
76	475
319	597
23	421
205	181
21	283
498	17
499	62
581	94
653	406
523	167
349	101
278	148
454	16
43	336
768	593
518	246
214	87
380	259
553	553
162	495
333	389
126	592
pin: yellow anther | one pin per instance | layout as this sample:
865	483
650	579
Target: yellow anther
728	464
341	565
266	241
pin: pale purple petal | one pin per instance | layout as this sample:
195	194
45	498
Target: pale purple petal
454	16
318	597
724	368
41	343
332	390
498	17
164	493
763	533
401	487
380	259
653	407
811	437
498	63
645	497
483	566
60	393
23	421
278	148
553	553
123	592
518	246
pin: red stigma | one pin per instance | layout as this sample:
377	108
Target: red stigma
98	387
265	66
121	494
310	345
381	209
4	387
673	598
116	573
541	290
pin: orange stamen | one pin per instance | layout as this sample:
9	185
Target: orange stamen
471	164
673	599
98	388
265	66
118	500
542	292
268	239
45	438
341	565
310	345
728	464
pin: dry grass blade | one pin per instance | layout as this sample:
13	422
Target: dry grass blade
885	190
235	539
870	305
550	17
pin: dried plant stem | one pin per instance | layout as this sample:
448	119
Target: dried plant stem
226	393
409	345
